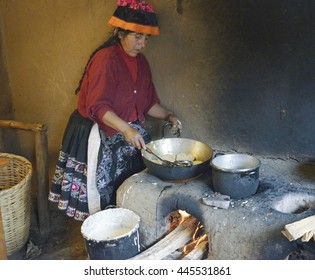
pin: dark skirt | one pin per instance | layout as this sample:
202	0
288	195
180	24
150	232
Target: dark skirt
69	187
117	160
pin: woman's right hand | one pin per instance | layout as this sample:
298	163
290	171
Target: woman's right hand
132	135
134	138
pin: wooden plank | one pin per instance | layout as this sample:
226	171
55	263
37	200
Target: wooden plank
299	228
307	236
41	150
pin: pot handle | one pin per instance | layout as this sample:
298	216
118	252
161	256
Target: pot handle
174	131
110	206
218	154
250	173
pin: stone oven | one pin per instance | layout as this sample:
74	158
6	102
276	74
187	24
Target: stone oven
249	228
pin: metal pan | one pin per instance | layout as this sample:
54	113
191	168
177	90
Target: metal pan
201	151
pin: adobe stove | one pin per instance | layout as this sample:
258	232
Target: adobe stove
249	228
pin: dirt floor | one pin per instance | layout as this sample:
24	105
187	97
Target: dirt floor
65	241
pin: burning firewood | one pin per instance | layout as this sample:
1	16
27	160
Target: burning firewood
171	242
176	255
194	250
198	252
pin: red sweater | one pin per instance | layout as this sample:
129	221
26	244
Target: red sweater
108	86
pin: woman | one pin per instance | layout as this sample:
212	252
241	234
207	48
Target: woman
102	142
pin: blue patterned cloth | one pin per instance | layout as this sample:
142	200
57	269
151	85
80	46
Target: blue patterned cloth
117	160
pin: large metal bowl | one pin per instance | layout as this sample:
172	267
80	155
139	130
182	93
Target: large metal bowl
201	151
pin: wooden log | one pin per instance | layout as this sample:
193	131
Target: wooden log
194	250
198	252
171	242
176	255
297	229
3	248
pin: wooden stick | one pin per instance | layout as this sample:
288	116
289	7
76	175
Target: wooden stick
22	125
174	240
3	248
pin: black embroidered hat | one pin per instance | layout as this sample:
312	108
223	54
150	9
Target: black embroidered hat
135	15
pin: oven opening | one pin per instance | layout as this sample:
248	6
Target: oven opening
184	239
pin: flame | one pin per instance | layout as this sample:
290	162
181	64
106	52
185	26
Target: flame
184	215
176	218
195	240
198	236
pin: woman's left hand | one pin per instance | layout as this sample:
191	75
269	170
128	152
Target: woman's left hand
157	111
176	124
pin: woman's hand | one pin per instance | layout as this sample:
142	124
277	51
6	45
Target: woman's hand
176	125
134	138
157	111
132	135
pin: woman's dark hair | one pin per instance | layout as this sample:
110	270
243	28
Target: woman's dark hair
113	39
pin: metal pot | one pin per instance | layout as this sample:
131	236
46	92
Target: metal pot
236	175
112	234
201	151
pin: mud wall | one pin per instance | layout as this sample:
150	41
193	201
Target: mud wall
238	73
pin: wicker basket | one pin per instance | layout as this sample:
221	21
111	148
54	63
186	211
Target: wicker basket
15	200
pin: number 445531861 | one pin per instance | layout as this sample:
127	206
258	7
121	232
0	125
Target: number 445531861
204	270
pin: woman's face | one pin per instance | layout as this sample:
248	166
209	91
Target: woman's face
133	42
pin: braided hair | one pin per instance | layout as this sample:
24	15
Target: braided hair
113	39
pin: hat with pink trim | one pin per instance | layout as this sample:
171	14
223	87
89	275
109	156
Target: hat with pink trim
135	15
